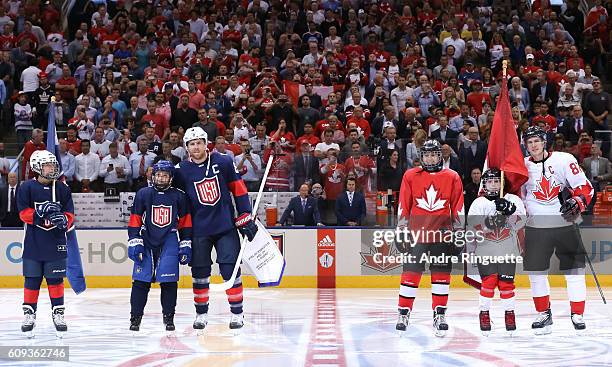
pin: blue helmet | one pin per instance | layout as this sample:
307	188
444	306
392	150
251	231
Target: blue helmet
162	166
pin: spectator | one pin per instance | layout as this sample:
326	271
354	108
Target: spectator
23	119
86	169
321	149
473	152
221	147
519	95
305	167
242	129
34	144
445	135
306	114
303	208
184	115
351	206
140	161
392	172
67	161
177	146
456	123
413	150
156	121
449	161
260	141
347	149
166	154
333	175
361	166
5	165
41	98
280	171
567	98
67	85
115	169
472	188
597	105
544	91
134	111
250	166
9	215
100	145
573	126
598	170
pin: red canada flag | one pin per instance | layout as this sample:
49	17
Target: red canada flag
547	190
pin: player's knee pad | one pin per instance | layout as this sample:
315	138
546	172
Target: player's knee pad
54	281
200	272
142	285
506	289
32	283
226	271
488	284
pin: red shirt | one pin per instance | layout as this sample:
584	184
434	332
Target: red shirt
550	121
311	139
365	165
363	124
475	101
334	181
74	145
158	122
7	43
67	95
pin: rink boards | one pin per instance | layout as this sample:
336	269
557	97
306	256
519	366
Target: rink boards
315	257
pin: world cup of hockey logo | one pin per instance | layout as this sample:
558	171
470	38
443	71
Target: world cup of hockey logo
326	260
208	191
161	215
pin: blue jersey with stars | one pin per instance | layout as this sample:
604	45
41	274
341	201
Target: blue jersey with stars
43	240
208	186
157	214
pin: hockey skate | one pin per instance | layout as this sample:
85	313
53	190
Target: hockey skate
578	321
236	323
59	322
439	321
403	320
485	322
135	323
543	323
200	323
29	321
510	320
169	323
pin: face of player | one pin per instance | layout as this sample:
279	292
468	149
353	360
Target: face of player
197	150
162	178
535	147
431	158
493	185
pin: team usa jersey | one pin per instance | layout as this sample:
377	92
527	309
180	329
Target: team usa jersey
208	186
431	200
43	240
157	214
482	208
546	180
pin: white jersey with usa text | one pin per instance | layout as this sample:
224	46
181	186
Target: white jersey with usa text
546	180
482	208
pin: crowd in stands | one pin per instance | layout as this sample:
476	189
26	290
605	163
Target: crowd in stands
374	81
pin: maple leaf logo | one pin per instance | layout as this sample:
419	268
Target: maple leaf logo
497	235
383	267
547	190
431	203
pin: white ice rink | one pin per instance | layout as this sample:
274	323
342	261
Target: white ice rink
309	327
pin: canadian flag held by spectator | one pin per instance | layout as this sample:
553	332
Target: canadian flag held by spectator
294	90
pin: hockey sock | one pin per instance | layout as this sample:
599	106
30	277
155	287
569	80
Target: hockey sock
31	289
440	283
506	293
56	291
201	283
234	294
138	299
487	291
409	284
540	291
576	292
168	297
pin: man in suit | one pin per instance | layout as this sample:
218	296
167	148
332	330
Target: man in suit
598	170
472	153
445	135
448	161
304	208
9	215
544	91
305	167
134	111
576	124
350	206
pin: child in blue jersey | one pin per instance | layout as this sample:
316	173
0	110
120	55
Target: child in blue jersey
47	217
159	234
210	180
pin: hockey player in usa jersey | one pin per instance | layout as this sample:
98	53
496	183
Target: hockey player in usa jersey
44	246
431	201
550	227
210	180
498	219
159	238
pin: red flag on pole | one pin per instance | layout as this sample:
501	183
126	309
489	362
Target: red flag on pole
504	151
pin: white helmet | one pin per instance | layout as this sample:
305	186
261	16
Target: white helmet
194	133
41	157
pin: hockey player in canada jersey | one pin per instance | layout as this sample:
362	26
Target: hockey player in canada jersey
431	201
159	234
498	219
44	246
210	180
550	226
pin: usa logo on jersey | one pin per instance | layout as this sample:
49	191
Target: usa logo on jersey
161	215
208	190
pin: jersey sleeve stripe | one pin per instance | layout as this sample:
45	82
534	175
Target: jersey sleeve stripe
185	222
135	221
70	218
238	188
27	215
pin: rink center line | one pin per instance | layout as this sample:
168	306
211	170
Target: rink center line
326	346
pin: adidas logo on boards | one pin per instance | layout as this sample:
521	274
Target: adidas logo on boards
326	242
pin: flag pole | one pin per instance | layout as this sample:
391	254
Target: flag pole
504	69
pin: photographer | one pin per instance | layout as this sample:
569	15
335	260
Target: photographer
282	110
242	129
115	169
250	166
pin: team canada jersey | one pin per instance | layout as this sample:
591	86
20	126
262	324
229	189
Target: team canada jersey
157	214
43	240
431	200
208	186
482	208
546	180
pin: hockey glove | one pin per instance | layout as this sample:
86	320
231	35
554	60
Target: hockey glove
185	252
43	210
504	206
496	221
404	246
246	226
59	220
136	250
571	208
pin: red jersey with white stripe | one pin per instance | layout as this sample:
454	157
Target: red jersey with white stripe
546	180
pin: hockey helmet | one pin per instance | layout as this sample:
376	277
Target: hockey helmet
488	179
431	147
534	131
41	158
194	133
159	183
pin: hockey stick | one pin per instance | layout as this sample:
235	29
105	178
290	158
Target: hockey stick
577	229
230	282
